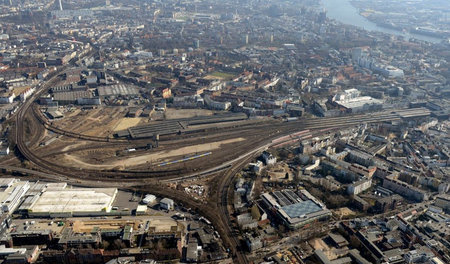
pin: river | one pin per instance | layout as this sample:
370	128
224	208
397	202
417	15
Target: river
343	11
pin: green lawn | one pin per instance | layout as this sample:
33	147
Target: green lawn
223	75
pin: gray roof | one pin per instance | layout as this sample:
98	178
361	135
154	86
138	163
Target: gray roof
167	201
302	208
118	89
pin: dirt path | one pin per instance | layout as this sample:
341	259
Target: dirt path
69	147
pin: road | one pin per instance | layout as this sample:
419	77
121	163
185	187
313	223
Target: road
219	212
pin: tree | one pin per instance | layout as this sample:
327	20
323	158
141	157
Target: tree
105	244
118	244
255	212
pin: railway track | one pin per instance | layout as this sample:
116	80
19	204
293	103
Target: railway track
139	175
134	179
136	176
224	194
47	125
116	175
62	171
329	120
137	179
332	122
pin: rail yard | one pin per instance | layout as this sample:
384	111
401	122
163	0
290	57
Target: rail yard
192	139
224	161
219	132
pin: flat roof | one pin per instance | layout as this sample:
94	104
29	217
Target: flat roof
5	192
118	89
160	225
141	208
161	128
75	200
71	95
359	102
321	256
338	239
5	182
301	208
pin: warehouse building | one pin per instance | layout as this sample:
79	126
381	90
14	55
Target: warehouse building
117	90
295	209
166	204
361	104
353	102
12	191
76	97
149	199
68	202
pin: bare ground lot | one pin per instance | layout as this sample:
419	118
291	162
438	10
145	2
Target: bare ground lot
105	121
172	113
152	158
96	122
127	122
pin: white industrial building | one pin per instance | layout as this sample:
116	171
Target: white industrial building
67	202
149	199
166	204
12	192
352	101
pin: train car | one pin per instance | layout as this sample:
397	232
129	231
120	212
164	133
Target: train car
301	133
206	221
291	119
280	139
290	142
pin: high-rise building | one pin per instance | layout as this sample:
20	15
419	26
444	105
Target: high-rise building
197	44
60	5
246	39
322	17
356	54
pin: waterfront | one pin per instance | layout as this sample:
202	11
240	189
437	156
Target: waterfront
343	11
